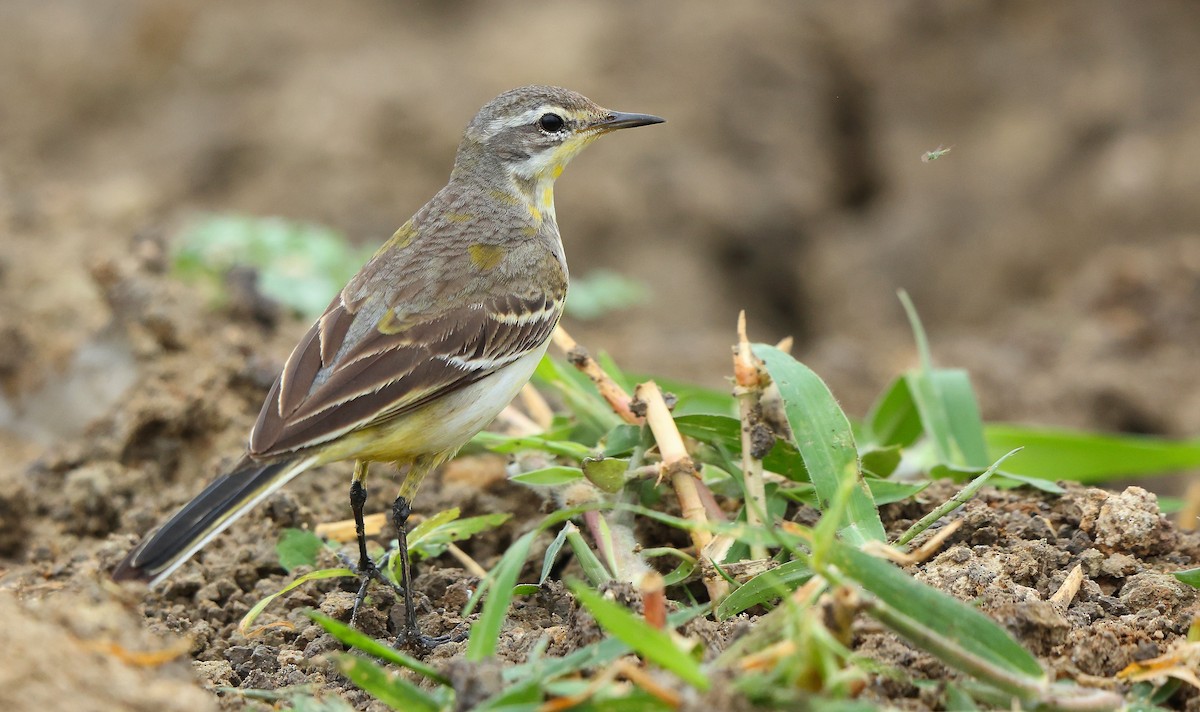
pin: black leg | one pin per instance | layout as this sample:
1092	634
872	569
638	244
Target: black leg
400	511
358	500
412	632
366	568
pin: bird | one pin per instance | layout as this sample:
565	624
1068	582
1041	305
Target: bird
425	344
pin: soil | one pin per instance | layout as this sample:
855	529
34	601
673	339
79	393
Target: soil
1053	253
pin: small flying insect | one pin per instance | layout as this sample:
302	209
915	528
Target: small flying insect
930	156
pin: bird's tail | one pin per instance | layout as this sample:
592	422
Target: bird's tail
219	505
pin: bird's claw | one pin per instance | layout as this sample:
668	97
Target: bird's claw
366	570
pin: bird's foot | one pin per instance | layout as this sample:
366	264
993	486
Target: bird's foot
414	639
367	571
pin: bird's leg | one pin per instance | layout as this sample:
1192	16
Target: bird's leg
366	568
412	632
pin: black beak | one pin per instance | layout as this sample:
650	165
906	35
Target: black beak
621	120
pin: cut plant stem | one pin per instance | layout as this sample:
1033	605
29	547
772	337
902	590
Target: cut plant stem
684	478
1069	588
616	396
920	554
654	599
537	407
468	563
517	423
343	530
748	383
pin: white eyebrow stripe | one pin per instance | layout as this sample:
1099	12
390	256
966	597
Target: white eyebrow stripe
523	119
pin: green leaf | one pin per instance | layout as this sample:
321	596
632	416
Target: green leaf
946	402
1004	478
394	691
767	586
887	491
966	425
433	543
361	641
825	441
505	444
622	440
935	610
606	473
430	523
307	703
549	476
552	553
959	499
651	643
881	462
894	419
691	399
1189	576
1090	458
725	431
298	547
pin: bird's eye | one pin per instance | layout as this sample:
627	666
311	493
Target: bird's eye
551	123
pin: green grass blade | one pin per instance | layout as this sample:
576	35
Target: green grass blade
396	692
552	552
966	425
1003	478
764	587
531	676
1090	458
485	632
577	392
428	524
651	643
937	611
960	498
882	491
825	441
593	568
253	613
361	641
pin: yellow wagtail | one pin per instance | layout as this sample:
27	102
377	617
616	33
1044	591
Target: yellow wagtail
427	343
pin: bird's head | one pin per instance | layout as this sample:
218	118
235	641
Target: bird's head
532	132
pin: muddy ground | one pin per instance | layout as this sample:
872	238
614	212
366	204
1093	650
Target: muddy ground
1053	253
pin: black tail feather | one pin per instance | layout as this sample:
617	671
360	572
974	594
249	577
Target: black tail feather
165	548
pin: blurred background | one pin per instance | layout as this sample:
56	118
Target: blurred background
1053	251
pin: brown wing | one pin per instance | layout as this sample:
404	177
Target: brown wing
358	367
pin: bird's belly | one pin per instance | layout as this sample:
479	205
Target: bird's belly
446	424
